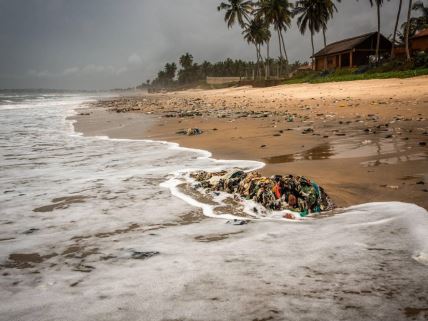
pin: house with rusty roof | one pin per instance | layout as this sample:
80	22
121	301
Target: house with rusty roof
419	41
351	52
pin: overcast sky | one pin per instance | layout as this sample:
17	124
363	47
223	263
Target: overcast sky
102	44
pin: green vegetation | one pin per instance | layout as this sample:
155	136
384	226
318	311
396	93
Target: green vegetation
315	78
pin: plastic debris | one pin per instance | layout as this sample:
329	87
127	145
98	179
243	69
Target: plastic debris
143	255
190	132
237	222
293	193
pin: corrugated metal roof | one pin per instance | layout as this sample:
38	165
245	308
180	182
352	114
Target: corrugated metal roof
344	45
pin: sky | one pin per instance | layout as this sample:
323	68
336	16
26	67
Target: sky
105	44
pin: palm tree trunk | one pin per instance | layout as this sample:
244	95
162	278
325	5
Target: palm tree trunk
258	58
285	53
395	29
279	42
409	13
267	61
261	62
280	52
312	43
378	32
325	39
283	47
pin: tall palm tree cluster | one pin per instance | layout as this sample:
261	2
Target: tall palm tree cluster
257	18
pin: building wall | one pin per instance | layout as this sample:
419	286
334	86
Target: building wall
222	80
333	61
420	44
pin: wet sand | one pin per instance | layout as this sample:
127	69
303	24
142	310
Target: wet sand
364	141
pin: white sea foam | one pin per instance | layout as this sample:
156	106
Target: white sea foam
368	263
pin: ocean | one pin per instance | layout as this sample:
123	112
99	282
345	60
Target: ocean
93	228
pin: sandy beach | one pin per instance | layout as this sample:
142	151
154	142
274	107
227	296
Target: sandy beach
225	160
364	141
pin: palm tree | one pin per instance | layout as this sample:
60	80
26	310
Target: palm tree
419	5
400	4
277	13
328	8
409	13
310	17
257	33
236	10
416	23
186	61
421	22
379	4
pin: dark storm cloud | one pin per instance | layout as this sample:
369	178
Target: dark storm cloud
111	43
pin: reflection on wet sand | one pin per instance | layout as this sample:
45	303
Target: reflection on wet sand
215	237
350	148
324	151
61	203
395	160
22	261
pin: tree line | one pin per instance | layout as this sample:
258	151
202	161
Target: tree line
192	72
259	20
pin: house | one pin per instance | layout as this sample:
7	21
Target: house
304	67
301	70
351	52
419	41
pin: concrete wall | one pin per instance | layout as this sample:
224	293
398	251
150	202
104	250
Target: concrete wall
221	80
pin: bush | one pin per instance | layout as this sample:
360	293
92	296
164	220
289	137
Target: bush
344	71
421	60
392	65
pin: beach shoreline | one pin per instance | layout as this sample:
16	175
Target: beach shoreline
80	210
364	141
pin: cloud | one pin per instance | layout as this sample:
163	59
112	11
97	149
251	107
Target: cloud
107	70
40	74
93	69
88	70
134	59
71	71
121	70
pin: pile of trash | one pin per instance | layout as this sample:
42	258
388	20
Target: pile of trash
293	193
